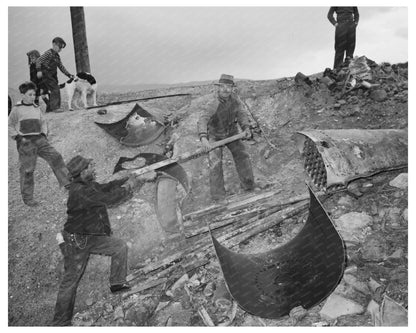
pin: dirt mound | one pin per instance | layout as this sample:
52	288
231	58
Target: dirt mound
281	107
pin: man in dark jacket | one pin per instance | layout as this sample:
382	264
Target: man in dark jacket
218	121
46	66
88	231
345	26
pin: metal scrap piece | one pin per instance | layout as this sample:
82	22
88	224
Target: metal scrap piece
174	170
166	201
302	272
138	128
333	158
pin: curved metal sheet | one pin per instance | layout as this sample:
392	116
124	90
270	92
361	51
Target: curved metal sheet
138	128
302	272
174	170
336	157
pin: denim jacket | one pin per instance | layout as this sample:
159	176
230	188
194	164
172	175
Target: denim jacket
87	206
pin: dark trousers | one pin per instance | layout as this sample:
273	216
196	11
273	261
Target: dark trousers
29	150
76	254
344	42
242	164
50	81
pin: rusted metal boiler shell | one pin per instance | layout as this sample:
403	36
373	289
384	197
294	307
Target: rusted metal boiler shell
304	271
333	158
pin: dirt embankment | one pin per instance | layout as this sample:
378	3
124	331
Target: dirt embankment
281	107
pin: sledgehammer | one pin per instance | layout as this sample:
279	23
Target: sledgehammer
187	156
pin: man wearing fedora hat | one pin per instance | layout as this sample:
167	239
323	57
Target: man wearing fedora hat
88	231
218	120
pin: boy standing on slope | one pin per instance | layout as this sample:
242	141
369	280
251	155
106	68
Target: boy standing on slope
29	129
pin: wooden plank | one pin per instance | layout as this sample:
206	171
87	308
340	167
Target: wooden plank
253	199
145	286
222	222
136	100
186	156
267	223
236	202
203	244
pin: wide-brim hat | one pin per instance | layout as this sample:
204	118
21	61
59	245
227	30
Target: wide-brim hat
225	78
77	164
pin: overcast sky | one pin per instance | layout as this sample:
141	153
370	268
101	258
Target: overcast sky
131	45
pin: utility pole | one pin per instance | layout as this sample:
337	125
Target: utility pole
79	35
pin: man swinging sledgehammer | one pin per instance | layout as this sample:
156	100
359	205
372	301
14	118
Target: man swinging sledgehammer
88	231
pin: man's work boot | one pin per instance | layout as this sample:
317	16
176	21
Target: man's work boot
119	288
31	202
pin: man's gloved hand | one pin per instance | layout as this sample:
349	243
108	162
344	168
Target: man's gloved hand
248	133
205	144
136	181
131	183
148	176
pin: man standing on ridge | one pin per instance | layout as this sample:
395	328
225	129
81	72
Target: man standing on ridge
345	26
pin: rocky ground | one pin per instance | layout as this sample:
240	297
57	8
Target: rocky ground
371	216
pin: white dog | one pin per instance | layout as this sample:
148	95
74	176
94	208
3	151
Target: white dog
84	83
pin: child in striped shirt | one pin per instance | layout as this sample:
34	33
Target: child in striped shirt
47	69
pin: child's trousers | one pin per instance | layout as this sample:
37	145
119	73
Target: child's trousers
29	149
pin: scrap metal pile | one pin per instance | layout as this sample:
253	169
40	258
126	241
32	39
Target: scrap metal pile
233	222
302	272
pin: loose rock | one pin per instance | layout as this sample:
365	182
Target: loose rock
351	225
374	248
336	306
396	254
209	289
393	214
118	313
374	309
400	181
392	313
357	284
379	95
405	214
346	201
373	285
297	314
